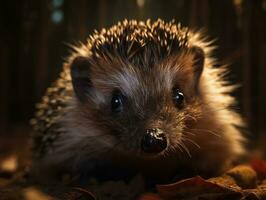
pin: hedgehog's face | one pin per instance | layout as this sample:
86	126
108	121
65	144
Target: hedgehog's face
144	109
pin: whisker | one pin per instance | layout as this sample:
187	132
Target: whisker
207	131
192	142
179	147
190	133
185	148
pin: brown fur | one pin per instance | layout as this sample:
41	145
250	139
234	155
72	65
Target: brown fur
145	61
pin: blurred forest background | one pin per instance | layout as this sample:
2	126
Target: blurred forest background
34	37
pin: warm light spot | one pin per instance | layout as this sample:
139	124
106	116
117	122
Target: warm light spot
34	194
140	3
9	164
237	2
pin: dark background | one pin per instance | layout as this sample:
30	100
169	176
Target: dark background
34	37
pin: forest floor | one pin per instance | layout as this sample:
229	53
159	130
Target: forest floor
241	182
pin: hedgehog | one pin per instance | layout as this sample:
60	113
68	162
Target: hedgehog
141	95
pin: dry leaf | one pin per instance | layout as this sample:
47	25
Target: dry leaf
196	187
150	196
260	167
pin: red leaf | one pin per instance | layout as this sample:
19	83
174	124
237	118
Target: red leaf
260	167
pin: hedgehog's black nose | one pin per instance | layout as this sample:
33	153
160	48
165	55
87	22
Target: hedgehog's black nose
154	141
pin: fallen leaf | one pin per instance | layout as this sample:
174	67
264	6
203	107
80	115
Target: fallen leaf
241	176
196	187
260	167
150	196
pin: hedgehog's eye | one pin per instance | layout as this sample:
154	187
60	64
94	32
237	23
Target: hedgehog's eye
178	97
117	102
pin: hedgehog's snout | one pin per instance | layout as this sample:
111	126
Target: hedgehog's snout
153	141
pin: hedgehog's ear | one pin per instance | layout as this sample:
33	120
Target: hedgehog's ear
80	74
198	61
